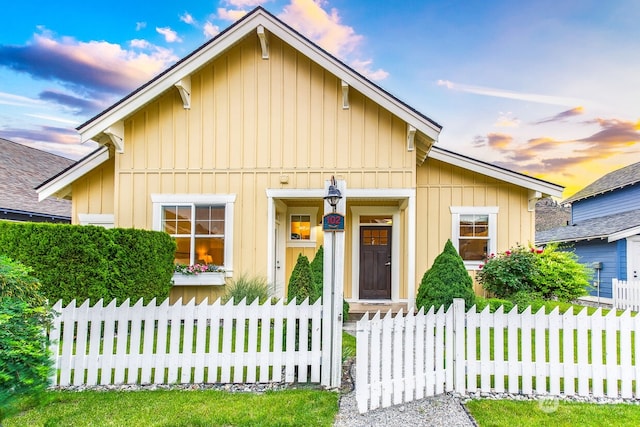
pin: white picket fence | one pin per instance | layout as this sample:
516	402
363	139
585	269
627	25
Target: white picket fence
404	358
626	294
168	344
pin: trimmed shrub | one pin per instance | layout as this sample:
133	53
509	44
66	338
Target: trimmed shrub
89	262
445	280
247	288
301	282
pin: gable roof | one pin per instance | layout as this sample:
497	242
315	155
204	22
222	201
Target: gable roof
610	227
427	129
22	168
628	175
103	126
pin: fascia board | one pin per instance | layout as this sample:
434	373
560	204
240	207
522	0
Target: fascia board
71	175
201	57
495	172
624	234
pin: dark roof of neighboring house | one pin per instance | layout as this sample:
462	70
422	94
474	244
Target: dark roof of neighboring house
22	168
628	175
596	228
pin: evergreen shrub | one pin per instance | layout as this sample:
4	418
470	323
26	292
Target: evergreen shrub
445	280
25	363
301	281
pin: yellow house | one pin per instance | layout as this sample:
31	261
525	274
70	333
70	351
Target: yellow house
230	150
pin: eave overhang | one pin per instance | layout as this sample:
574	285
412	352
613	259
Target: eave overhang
60	185
534	184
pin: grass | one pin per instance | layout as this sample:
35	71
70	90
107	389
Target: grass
181	408
509	413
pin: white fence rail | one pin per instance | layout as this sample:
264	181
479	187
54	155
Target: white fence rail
164	344
626	294
533	354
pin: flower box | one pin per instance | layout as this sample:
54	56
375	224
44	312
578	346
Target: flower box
200	279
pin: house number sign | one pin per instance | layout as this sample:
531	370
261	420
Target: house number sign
333	222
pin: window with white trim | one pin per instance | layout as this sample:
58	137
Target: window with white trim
201	225
474	233
303	223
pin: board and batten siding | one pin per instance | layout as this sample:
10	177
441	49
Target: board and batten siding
441	185
94	192
251	122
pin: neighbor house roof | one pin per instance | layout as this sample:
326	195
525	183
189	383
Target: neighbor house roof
610	227
628	175
22	168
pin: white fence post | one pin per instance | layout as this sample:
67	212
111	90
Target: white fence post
459	362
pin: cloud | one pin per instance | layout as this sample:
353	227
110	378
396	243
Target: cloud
170	36
230	15
308	17
326	29
140	25
560	117
210	30
17	100
87	67
78	105
499	141
614	133
187	18
364	68
507	120
53	134
246	3
502	93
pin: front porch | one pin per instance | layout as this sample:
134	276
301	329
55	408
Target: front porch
358	309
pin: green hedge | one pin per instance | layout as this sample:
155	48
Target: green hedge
89	262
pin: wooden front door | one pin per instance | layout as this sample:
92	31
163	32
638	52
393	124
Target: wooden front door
375	262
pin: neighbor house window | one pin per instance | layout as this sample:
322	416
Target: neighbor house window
201	225
474	233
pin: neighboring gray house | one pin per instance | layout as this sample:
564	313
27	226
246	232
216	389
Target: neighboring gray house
604	229
23	168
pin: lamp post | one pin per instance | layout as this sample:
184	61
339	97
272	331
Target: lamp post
332	292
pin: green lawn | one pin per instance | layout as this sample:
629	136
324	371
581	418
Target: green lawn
181	408
509	413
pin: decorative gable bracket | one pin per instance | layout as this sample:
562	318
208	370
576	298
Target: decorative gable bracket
534	196
345	95
264	43
115	132
411	136
184	87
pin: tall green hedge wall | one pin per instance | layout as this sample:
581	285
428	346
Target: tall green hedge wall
89	262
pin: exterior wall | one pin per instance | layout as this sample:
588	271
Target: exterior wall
600	251
94	192
618	201
441	186
251	122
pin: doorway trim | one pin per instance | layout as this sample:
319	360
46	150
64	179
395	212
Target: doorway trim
633	253
356	213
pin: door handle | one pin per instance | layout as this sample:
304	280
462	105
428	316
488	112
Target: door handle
387	264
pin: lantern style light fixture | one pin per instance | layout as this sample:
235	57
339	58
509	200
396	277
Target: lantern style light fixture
333	194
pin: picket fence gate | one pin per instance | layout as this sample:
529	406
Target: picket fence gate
407	357
626	294
169	344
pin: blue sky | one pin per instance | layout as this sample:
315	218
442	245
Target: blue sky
546	88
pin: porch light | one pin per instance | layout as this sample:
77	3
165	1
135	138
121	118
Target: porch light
333	194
